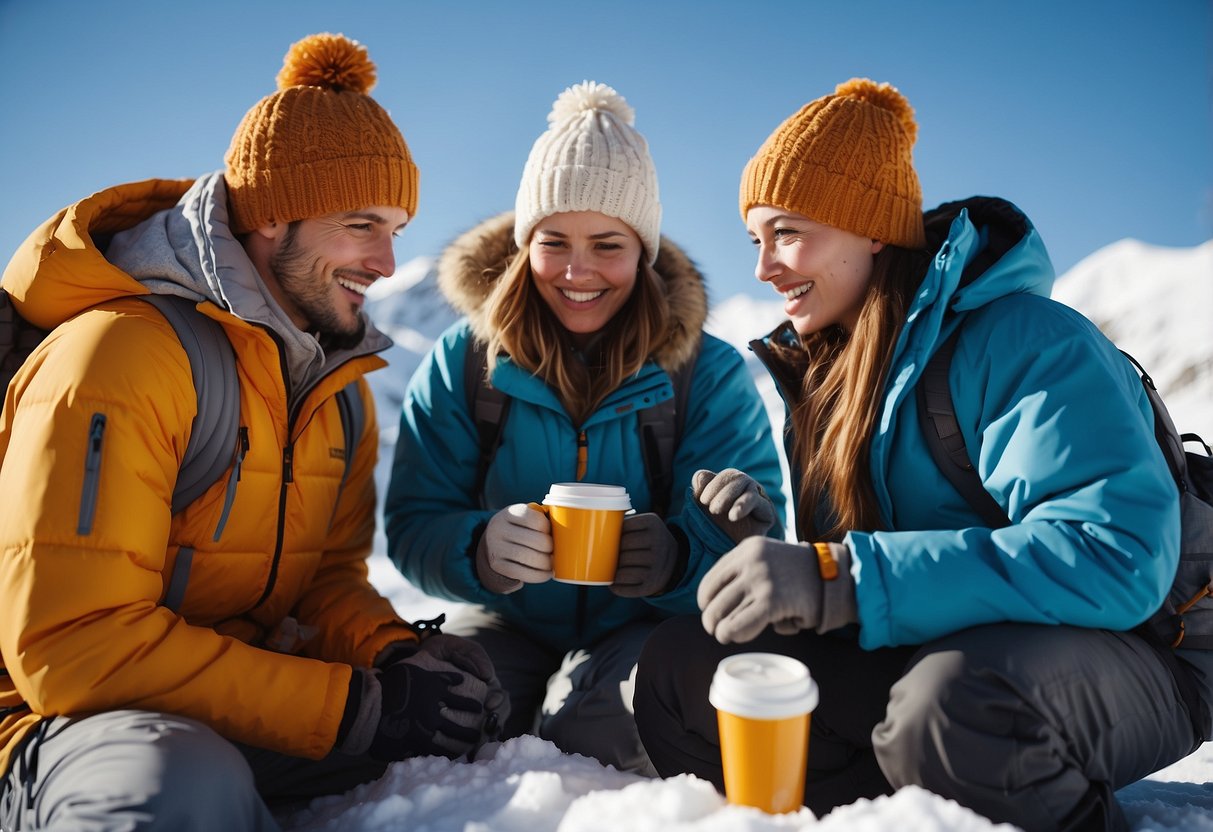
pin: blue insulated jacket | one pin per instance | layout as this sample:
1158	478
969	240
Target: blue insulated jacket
433	519
1061	433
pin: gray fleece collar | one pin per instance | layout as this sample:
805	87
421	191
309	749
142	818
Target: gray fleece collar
189	250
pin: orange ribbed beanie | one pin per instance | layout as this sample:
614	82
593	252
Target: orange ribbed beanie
844	160
320	145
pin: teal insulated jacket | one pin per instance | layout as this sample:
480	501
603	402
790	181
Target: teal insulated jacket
433	518
1057	426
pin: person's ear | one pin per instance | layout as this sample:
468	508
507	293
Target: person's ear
877	246
271	230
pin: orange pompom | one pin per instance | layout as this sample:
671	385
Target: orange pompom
331	61
885	96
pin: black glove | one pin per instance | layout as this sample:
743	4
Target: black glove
421	713
409	709
648	556
469	657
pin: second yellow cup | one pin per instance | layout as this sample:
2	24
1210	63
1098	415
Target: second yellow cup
587	519
764	704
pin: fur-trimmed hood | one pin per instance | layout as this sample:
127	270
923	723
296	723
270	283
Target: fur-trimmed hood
472	263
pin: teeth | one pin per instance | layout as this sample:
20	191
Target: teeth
792	294
580	297
359	288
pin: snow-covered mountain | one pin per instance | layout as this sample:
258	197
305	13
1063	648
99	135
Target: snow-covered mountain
1156	304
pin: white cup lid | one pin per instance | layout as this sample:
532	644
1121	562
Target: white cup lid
588	495
762	686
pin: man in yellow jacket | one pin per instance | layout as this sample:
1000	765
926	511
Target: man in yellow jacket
276	672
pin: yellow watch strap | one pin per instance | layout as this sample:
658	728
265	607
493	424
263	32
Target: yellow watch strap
826	562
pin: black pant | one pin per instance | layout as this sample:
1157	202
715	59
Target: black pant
1030	724
680	733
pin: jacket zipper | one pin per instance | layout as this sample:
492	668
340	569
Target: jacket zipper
583	462
288	473
92	474
583	454
288	477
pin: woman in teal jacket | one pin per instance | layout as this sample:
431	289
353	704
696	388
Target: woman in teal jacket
990	666
589	316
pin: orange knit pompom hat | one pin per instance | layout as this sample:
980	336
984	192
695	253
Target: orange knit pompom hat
844	160
319	145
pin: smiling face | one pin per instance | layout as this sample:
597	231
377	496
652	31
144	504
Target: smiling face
822	272
319	269
584	266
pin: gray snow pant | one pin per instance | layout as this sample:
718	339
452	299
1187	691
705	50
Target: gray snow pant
1027	724
580	700
137	770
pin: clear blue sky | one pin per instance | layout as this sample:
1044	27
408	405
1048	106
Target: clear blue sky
1093	115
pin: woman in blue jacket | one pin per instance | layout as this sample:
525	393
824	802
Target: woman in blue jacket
588	315
991	666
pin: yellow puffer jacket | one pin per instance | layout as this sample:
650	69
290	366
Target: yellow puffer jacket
91	437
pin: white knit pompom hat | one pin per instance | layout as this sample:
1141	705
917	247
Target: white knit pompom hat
590	159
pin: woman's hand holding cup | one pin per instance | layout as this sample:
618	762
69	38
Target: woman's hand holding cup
515	549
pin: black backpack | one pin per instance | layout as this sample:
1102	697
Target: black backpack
1186	617
217	440
660	427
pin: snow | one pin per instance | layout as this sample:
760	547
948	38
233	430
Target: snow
1148	299
528	785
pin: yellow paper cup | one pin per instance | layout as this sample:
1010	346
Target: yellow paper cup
587	519
764	704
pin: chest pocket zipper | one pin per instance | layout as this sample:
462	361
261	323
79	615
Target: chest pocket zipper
92	474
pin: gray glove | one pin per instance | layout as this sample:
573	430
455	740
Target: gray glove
516	548
764	582
647	555
735	502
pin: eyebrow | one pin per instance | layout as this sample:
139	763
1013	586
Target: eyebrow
600	236
775	220
783	218
371	216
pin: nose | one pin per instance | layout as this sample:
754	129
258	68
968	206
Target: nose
382	257
768	265
577	269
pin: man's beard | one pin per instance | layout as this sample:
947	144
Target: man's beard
298	275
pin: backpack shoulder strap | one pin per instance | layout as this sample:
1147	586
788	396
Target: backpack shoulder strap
488	406
213	437
353	421
660	428
946	442
1165	433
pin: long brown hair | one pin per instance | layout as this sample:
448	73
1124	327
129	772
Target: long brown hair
525	329
841	398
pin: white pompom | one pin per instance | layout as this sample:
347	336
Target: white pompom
589	95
